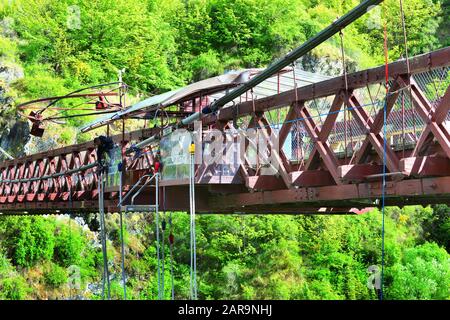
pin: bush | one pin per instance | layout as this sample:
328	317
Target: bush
69	245
4	264
424	273
29	240
55	276
14	288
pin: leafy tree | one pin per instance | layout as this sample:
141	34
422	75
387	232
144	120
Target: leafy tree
29	240
436	227
69	244
422	18
424	273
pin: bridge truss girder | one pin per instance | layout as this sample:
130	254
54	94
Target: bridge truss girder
325	183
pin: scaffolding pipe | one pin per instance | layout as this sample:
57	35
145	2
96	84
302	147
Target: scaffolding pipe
297	53
310	44
140	190
10	157
142	144
134	187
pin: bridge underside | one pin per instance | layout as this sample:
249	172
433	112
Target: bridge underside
335	168
345	199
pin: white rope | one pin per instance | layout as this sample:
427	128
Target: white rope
103	236
157	235
122	241
193	273
171	252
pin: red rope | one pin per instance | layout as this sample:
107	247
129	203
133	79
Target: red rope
386	57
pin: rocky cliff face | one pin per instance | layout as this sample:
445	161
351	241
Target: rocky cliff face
14	132
330	65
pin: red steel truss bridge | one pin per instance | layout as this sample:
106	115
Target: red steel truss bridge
330	159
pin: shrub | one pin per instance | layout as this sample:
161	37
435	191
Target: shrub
14	288
55	276
424	273
29	240
69	245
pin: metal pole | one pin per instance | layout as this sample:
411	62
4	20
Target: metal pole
10	157
190	237
101	234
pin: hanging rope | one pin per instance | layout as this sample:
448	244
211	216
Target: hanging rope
193	272
122	241
157	236
69	187
171	241
383	191
298	154
103	235
163	229
408	66
344	67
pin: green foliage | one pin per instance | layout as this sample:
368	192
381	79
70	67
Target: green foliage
436	227
29	239
163	45
55	276
167	44
424	273
12	285
253	257
15	288
69	245
422	18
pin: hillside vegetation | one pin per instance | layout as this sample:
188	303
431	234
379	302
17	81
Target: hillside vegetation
239	257
45	50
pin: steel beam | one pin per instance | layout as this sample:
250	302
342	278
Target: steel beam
425	62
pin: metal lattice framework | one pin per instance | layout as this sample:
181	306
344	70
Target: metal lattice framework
334	165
